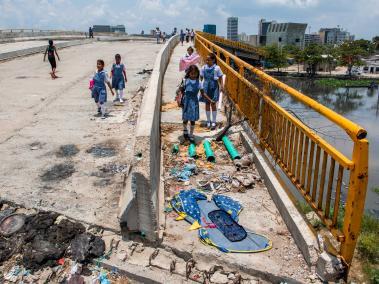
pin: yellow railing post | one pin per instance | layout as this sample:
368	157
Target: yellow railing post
355	201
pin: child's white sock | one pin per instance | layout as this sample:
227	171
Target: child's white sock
117	96
121	94
185	129
208	113
192	128
102	106
214	115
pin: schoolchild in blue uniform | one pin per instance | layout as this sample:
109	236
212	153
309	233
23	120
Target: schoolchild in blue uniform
190	110
211	75
118	75
99	90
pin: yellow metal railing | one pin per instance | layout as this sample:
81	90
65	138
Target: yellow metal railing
315	167
231	43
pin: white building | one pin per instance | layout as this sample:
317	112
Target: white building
334	36
371	65
250	39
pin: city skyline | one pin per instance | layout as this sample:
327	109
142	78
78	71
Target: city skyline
359	17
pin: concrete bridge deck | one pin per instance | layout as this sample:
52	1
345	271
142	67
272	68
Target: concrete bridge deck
58	156
38	115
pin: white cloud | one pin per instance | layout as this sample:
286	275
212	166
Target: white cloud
290	3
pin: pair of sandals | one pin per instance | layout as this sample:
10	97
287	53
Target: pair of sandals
188	137
211	126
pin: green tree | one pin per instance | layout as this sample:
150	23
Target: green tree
312	57
351	53
366	45
331	54
375	41
276	56
296	53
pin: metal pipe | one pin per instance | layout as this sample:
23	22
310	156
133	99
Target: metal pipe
192	151
230	148
208	151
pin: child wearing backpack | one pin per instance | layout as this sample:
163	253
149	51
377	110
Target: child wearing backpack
190	101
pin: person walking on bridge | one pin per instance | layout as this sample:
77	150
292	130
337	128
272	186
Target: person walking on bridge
158	35
192	36
211	75
118	75
51	51
182	36
99	90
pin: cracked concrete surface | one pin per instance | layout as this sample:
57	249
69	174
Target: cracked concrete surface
39	115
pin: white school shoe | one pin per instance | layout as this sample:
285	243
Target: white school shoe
121	100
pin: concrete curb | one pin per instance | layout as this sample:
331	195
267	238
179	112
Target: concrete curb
21	39
138	207
146	275
39	49
299	229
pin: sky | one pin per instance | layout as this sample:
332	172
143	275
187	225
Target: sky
360	17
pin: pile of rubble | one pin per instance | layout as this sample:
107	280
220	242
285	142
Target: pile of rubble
45	247
221	176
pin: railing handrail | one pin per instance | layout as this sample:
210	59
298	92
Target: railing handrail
311	164
355	131
238	44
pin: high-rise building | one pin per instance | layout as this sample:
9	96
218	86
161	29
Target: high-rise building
334	36
262	31
312	38
286	34
243	37
232	29
211	29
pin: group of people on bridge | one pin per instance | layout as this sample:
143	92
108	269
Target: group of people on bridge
204	84
115	80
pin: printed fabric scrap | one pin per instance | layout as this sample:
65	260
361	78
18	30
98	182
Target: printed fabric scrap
185	202
217	221
185	173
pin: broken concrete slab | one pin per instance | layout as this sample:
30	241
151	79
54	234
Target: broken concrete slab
329	268
143	184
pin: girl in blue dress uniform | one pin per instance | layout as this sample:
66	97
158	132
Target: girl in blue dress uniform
212	78
99	90
190	111
118	75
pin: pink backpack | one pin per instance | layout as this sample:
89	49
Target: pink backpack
91	84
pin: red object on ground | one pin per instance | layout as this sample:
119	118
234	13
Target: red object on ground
60	261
